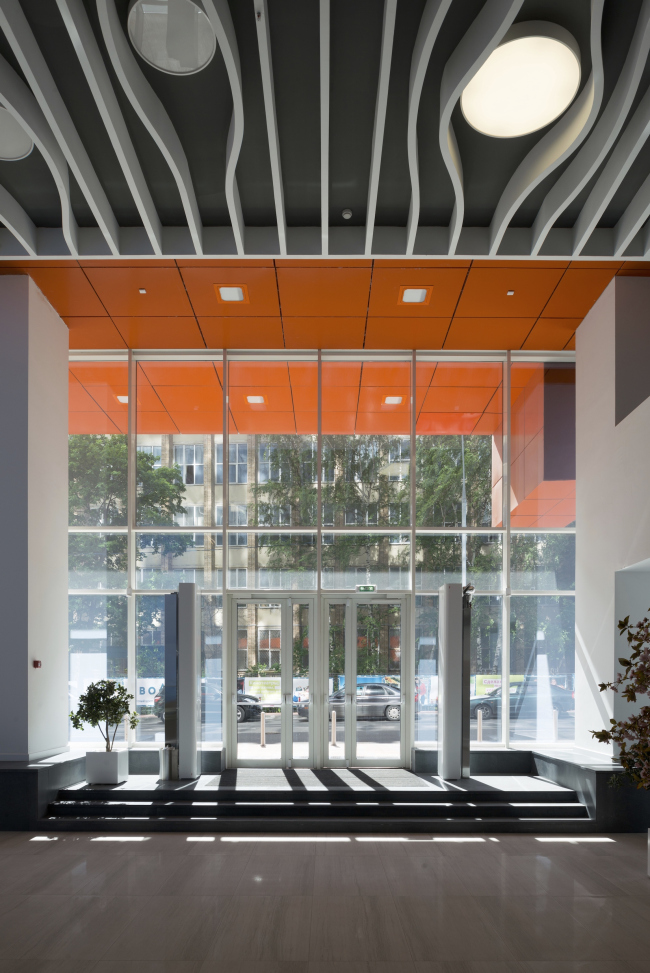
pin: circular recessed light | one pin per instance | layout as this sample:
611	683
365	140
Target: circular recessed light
15	143
174	36
527	82
347	214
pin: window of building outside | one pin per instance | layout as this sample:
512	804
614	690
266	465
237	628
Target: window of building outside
520	560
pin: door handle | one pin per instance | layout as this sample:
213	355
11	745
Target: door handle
288	697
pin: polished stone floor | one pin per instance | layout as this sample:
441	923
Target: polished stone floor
174	903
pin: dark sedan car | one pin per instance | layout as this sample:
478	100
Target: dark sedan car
375	700
248	707
523	701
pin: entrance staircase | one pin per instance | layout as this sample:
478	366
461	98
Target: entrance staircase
317	801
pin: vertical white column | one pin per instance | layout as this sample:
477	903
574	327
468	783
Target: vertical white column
189	688
450	663
34	500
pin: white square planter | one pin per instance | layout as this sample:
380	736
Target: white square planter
104	767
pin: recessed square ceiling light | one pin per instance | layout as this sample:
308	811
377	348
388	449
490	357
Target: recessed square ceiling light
255	399
392	400
231	293
142	290
123	398
510	294
414	295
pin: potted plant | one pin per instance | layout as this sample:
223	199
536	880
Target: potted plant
632	735
104	705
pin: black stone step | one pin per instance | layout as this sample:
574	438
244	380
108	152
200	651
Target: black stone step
425	795
306	811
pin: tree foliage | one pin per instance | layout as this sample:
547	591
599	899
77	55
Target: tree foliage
104	705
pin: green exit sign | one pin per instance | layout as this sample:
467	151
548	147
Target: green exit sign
366	587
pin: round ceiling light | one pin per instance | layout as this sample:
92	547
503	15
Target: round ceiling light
527	82
174	36
15	143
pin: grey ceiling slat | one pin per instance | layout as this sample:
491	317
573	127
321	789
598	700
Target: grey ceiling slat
152	114
266	65
20	101
616	168
23	44
18	222
85	44
432	17
219	16
559	143
387	35
324	17
631	221
481	38
602	138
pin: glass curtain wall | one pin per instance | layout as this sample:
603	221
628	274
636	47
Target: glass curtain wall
359	470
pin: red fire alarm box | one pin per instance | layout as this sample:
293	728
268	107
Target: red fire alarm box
37	663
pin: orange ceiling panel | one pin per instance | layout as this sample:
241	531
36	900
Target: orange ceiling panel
486	292
161	373
69	291
329	264
262	332
101	373
338	423
222	262
120	419
372	399
406	332
305	399
337	332
550	334
306	423
155	423
119	290
178	398
264	422
79	400
107	397
521	264
91	423
488	425
260	282
440	399
387	284
303	374
488	334
386	374
495	405
320	292
554	490
346	397
461	374
89	333
335	374
522	373
148	399
383	424
256	373
180	332
571	344
129	263
416	263
634	268
578	292
277	398
201	422
446	423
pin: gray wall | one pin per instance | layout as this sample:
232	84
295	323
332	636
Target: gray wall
33	498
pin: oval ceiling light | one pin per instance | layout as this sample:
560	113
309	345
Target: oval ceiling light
15	143
174	36
526	83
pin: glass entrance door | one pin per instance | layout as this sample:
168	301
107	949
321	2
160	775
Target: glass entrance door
365	712
270	717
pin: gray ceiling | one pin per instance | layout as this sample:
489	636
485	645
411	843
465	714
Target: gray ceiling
310	107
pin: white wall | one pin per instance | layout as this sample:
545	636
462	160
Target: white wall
612	510
33	499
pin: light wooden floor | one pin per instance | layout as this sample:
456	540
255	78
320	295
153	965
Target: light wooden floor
173	903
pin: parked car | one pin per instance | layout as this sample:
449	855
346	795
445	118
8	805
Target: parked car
375	700
248	707
523	701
